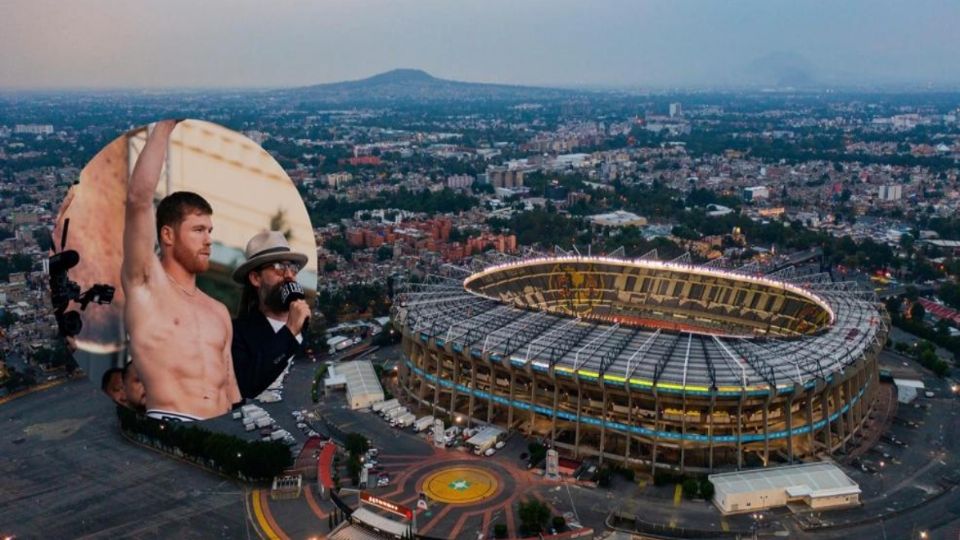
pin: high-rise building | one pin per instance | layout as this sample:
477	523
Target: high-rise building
676	110
459	181
503	177
892	192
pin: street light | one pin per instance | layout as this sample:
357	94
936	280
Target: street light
924	535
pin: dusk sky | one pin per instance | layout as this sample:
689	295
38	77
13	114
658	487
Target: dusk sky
629	43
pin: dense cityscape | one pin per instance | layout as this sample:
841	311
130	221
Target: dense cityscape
413	182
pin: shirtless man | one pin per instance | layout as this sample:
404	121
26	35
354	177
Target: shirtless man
179	336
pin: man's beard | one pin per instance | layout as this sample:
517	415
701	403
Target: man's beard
271	299
195	263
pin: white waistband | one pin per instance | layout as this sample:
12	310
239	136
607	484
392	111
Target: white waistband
159	414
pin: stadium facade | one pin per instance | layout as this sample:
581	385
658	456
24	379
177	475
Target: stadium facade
660	364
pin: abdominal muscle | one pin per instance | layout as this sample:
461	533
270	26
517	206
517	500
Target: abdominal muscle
178	344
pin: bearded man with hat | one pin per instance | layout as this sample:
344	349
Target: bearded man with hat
268	330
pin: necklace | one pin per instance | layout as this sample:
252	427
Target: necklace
182	288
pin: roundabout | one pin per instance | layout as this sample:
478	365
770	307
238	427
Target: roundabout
460	485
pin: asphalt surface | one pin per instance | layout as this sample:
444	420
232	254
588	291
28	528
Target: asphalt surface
67	472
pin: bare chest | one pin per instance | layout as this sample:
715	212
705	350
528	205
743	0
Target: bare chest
171	318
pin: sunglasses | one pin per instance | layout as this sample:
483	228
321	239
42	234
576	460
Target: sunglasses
282	266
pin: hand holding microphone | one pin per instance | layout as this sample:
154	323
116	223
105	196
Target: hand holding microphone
294	301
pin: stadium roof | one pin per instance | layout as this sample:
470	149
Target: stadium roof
668	360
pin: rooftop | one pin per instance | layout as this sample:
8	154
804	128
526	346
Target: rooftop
807	479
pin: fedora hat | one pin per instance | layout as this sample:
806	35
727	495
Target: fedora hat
266	247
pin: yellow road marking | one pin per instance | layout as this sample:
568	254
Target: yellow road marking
261	518
677	495
724	526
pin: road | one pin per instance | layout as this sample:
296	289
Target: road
67	472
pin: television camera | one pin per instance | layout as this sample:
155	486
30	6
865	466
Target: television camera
63	289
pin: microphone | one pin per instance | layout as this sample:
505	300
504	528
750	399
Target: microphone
289	292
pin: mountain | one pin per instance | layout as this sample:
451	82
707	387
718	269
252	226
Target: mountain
419	86
780	69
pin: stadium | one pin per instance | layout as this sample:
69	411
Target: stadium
647	362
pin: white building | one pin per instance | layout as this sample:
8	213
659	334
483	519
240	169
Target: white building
676	110
619	218
756	193
820	485
33	129
363	387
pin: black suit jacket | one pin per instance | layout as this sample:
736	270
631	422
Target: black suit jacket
259	354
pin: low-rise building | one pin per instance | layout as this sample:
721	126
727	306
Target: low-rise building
821	485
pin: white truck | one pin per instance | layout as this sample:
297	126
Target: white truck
338	343
423	423
386	410
405	420
380	406
263	421
255	414
393	414
484	439
279	434
450	435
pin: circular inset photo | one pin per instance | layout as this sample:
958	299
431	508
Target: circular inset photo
183	268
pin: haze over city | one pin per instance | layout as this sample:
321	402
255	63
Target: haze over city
634	44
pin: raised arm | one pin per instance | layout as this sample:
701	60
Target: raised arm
139	231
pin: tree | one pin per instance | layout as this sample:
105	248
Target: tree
353	468
893	305
558	523
534	515
7	318
690	488
943	328
940	368
706	488
538	452
912	293
906	243
604	477
500	530
917	312
356	444
950	294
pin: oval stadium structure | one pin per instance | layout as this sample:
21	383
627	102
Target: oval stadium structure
648	362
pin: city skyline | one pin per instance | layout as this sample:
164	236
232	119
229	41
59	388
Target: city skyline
616	44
